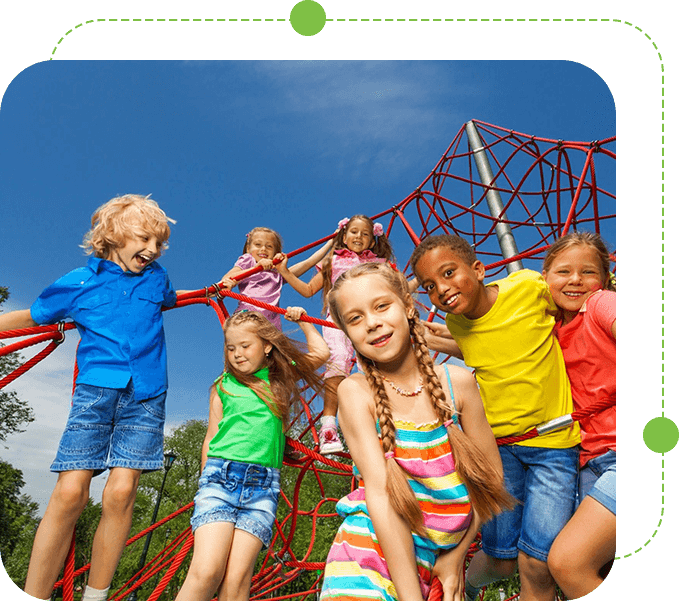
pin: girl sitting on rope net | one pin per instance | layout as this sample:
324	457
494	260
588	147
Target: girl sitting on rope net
235	506
428	467
262	247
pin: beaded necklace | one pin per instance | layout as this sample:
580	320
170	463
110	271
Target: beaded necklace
403	392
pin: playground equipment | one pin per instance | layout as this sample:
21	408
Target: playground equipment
511	195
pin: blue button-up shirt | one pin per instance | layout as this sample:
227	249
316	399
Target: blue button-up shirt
118	315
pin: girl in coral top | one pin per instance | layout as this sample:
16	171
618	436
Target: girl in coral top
576	268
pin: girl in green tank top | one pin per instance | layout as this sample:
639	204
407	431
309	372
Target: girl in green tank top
235	505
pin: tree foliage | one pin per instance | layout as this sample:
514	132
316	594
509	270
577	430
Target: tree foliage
14	413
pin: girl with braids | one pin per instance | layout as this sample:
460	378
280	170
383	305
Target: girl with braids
235	505
428	467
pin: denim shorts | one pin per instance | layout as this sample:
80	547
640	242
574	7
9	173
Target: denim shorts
597	479
544	482
245	494
108	428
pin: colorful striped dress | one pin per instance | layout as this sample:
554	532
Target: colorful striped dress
356	568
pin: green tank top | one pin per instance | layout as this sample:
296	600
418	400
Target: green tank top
249	432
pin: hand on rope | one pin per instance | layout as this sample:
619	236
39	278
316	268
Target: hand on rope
218	289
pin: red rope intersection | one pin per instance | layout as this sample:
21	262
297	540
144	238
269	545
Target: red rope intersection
555	189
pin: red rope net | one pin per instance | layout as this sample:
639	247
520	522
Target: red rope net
547	187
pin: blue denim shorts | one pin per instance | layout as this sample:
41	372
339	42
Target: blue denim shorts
245	494
108	428
597	479
544	481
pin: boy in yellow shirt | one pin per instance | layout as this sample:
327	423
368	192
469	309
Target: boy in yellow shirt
504	331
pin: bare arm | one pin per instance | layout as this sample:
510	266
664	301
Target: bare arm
613	330
216	415
306	290
413	285
318	352
472	415
15	320
302	267
393	533
228	278
438	338
449	566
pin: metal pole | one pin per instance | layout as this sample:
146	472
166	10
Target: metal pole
503	231
169	459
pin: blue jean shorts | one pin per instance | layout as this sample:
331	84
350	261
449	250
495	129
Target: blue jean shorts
108	428
597	479
245	494
544	481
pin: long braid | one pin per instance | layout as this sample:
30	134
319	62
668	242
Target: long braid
484	483
398	489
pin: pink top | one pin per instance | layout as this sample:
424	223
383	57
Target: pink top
264	286
344	259
589	352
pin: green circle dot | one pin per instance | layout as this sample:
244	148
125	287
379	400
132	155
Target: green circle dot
661	435
307	17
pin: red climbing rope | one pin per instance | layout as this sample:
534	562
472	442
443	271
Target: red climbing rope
548	188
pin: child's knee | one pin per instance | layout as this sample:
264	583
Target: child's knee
557	563
119	492
534	569
71	494
237	586
207	575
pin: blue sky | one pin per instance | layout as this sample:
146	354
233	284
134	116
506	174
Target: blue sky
224	147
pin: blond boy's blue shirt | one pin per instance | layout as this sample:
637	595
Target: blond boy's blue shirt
118	315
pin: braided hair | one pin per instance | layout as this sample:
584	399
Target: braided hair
484	482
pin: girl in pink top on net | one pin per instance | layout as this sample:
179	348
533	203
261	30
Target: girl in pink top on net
263	246
576	269
357	240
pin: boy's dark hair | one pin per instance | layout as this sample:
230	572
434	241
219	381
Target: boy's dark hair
458	245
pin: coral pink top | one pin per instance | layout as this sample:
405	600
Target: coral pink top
588	348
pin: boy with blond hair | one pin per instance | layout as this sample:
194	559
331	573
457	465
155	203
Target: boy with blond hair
118	407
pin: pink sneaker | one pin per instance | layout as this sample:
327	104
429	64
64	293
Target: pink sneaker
330	442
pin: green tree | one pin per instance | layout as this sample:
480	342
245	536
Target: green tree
14	412
181	485
316	522
18	518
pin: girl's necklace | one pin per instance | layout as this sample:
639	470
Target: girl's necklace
403	392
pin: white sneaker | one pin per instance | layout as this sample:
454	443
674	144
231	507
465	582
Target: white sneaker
330	442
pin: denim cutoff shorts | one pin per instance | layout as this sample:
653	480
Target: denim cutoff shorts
108	428
597	479
245	494
544	481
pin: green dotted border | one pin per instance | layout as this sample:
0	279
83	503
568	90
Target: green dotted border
616	21
395	20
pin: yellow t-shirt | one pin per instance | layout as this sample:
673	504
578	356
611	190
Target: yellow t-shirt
518	361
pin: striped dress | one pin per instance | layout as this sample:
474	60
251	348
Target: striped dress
356	569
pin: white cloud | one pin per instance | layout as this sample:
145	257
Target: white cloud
47	388
385	115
